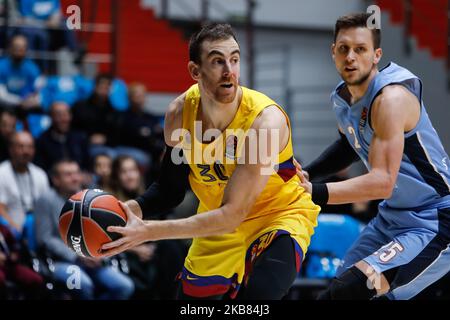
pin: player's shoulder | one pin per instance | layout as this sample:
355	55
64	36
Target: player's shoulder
394	91
175	108
174	117
270	117
392	96
397	103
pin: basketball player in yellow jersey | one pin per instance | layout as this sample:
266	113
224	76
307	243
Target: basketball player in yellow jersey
252	228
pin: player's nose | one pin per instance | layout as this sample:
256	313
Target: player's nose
350	55
227	69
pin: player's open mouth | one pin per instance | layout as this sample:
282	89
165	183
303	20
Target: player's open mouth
348	69
228	86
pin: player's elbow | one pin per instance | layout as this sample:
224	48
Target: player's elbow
233	217
386	192
385	185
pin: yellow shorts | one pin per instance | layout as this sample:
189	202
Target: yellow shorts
220	264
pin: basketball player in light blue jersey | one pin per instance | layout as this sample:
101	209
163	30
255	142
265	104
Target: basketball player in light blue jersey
382	121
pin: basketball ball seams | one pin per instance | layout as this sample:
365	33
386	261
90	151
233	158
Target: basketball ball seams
90	196
73	223
89	224
67	207
66	211
77	243
81	223
77	196
104	219
100	206
72	203
106	233
109	212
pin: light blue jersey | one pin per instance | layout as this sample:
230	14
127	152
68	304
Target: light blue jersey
424	175
411	233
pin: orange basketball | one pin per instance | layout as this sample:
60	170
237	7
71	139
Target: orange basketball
84	220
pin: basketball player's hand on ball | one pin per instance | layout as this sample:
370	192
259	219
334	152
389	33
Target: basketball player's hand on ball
304	177
133	234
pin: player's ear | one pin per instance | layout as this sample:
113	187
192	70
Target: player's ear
378	55
333	48
194	70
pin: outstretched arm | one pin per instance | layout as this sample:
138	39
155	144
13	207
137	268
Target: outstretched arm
241	192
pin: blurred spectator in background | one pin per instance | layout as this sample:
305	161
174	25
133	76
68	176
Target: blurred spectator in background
44	26
9	12
13	270
102	166
140	131
126	180
8	122
153	266
98	118
97	280
19	77
21	182
60	141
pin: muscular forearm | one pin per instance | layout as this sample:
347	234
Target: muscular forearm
211	223
371	186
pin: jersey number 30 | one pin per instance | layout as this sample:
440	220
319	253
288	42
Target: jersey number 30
207	174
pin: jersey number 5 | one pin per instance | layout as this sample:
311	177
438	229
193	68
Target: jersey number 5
390	251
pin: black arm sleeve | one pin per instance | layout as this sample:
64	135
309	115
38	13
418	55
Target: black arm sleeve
336	157
168	190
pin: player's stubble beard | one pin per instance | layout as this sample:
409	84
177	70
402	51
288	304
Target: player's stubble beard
361	79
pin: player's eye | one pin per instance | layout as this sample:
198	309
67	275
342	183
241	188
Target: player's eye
342	49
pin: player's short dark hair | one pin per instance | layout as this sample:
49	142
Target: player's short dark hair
355	20
210	32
